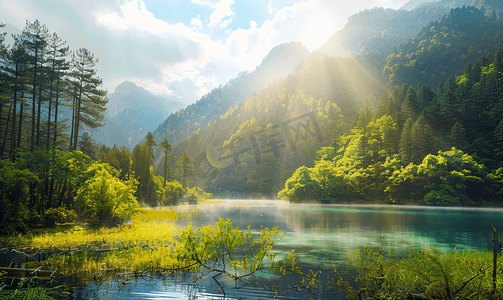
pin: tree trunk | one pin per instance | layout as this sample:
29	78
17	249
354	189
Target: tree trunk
56	117
49	117
20	122
39	114
77	119
32	148
73	124
5	134
13	134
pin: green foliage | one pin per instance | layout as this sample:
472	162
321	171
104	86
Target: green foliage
14	191
172	193
265	178
451	276
226	249
150	143
196	194
59	215
105	199
24	290
300	187
457	38
451	177
186	168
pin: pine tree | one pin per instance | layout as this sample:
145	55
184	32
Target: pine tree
57	66
87	145
34	38
141	168
421	140
15	68
406	141
167	154
186	168
89	100
458	136
150	142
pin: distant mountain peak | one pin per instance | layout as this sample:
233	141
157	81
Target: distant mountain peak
126	86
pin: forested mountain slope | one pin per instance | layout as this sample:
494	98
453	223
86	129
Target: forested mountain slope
486	5
281	61
378	31
444	47
254	146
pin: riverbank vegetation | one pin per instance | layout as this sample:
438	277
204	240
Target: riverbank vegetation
150	245
425	274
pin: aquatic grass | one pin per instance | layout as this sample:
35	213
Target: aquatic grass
149	225
23	290
425	274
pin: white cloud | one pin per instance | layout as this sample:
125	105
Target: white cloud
225	23
210	3
205	84
221	11
111	20
270	9
196	22
245	49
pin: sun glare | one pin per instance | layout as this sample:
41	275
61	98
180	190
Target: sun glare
316	31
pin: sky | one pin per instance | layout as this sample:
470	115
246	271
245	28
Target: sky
182	49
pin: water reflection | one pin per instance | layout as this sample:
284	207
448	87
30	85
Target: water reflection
321	235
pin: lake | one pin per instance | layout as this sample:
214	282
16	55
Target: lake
321	234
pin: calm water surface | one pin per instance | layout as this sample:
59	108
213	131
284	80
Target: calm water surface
321	235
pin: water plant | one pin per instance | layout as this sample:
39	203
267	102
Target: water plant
24	290
425	274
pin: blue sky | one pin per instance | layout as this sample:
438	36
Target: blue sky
183	48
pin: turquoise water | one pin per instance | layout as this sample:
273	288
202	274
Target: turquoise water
321	234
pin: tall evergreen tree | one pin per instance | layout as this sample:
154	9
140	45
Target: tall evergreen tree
89	100
406	141
186	168
150	142
141	168
458	136
34	37
15	68
57	52
421	140
167	154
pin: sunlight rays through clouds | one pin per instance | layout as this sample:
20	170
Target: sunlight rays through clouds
179	48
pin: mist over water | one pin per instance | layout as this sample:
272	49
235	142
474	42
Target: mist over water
321	235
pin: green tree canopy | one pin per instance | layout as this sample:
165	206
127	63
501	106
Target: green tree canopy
104	198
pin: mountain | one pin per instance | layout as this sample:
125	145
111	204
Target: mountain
487	6
415	3
131	113
277	129
379	30
444	47
281	61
